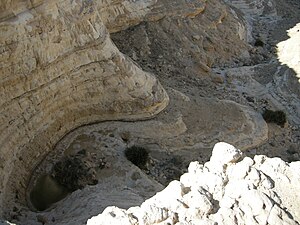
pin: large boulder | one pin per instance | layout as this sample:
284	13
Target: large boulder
232	190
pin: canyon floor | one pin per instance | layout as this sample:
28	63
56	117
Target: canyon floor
224	102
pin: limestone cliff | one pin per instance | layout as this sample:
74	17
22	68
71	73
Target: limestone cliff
60	70
69	63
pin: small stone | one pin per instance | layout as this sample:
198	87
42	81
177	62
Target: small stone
266	182
241	169
217	79
224	153
227	202
153	214
168	198
42	219
253	176
196	37
204	67
195	167
259	159
187	179
111	216
196	200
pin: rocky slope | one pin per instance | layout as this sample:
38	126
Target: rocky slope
222	66
60	70
229	189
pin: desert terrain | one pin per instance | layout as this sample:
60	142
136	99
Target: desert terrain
172	77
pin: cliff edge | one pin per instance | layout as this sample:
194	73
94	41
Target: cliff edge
228	189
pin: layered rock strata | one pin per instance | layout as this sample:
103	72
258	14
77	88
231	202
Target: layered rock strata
229	189
60	70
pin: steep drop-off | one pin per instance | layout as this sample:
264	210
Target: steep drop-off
60	70
61	67
229	189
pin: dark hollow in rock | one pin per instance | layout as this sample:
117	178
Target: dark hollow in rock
46	192
139	156
277	117
67	175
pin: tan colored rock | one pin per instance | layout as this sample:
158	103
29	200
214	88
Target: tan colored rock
9	9
60	70
122	14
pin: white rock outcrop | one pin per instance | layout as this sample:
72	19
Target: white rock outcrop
229	189
289	50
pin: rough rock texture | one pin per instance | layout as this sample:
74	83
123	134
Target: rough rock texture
173	138
229	189
272	81
187	46
59	70
252	10
289	50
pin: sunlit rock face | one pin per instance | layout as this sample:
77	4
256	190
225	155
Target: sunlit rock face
288	51
60	70
229	189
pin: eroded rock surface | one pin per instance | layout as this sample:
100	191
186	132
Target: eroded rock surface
60	70
229	189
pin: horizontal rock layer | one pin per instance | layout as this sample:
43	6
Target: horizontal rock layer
60	70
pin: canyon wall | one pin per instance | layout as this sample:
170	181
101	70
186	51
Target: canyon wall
60	70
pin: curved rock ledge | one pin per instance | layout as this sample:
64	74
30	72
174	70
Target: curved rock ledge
229	189
60	70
